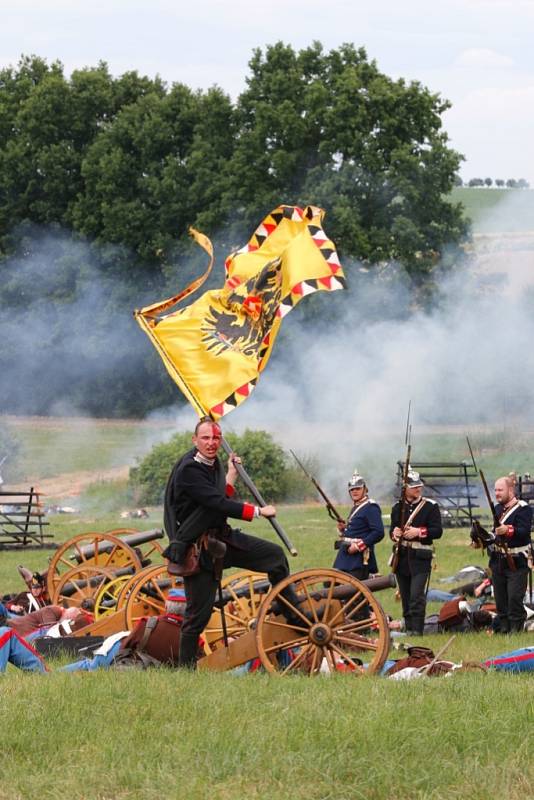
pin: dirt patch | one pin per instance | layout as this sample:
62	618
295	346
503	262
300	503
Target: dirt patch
72	484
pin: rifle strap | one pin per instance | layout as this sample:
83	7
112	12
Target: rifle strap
415	512
504	516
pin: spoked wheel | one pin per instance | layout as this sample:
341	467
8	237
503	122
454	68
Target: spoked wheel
107	597
145	551
337	625
146	597
245	590
80	583
90	549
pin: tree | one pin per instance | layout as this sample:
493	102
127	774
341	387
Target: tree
458	181
511	183
522	183
475	182
330	129
499	182
156	171
488	182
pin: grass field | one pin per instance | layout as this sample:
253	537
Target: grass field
168	734
165	734
497	210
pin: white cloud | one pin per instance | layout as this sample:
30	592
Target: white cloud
482	57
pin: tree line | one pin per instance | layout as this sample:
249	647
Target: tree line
101	176
500	183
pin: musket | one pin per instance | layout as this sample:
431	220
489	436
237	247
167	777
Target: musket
332	511
407	440
496	522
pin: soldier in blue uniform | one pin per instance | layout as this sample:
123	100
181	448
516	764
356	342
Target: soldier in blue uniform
364	527
512	545
15	650
421	526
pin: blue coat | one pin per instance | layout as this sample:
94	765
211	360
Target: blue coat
365	523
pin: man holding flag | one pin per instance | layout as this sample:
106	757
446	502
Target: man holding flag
215	349
198	500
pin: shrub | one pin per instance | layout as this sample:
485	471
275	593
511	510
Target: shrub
264	460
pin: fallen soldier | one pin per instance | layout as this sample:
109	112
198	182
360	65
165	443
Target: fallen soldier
162	644
521	660
14	650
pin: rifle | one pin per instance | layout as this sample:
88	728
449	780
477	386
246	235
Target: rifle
407	441
396	549
332	511
480	535
496	522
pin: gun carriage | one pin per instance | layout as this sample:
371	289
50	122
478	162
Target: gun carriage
337	624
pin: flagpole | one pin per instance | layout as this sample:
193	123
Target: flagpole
201	411
253	489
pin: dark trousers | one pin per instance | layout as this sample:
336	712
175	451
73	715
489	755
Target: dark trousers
509	587
200	589
360	573
413	595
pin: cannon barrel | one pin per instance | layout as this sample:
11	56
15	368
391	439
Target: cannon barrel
346	592
132	539
70	588
340	592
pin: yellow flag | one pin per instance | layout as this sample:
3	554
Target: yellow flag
215	348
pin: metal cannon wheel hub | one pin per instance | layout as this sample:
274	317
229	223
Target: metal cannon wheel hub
320	633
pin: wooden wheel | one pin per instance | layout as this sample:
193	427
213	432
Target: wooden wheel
246	589
90	549
107	597
79	583
146	596
339	625
144	551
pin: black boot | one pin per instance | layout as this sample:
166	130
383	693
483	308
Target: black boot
188	651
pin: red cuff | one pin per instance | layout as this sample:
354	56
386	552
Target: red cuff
510	531
423	532
362	546
248	512
230	491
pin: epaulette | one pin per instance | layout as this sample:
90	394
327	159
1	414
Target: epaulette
429	500
522	503
373	501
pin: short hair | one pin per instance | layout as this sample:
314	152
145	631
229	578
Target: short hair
510	480
202	421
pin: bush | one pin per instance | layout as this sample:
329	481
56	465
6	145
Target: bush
264	460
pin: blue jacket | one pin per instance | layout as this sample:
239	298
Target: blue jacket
365	523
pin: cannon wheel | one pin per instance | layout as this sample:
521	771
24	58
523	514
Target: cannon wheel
146	596
87	581
240	612
109	591
120	555
328	634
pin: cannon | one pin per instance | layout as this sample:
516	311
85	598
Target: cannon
107	551
127	536
338	624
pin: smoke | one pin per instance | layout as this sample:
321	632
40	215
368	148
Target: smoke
339	382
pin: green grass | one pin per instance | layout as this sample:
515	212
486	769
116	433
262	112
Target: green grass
165	734
50	447
497	210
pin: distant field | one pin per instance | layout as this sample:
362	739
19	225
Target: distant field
497	210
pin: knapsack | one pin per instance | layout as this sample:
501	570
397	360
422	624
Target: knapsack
135	657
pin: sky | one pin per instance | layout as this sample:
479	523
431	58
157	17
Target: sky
476	53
